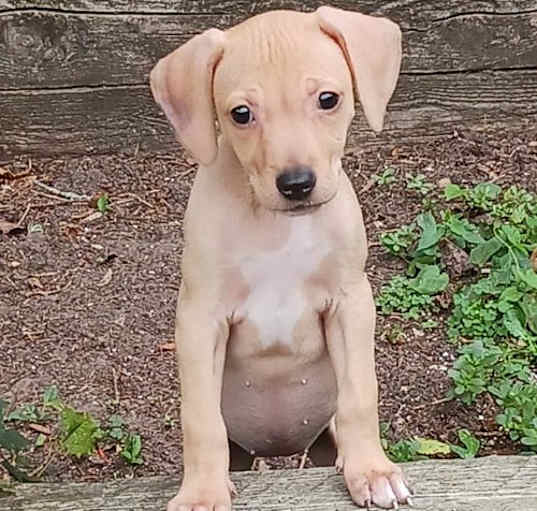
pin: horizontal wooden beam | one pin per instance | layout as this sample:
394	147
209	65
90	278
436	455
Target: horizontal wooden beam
73	73
491	484
50	49
89	120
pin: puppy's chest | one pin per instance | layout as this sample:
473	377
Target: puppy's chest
283	284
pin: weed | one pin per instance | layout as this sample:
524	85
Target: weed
386	178
470	445
493	318
412	297
419	184
12	443
400	241
132	449
103	203
79	433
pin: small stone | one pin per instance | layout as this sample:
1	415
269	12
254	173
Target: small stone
303	381
305	422
248	383
442	183
252	452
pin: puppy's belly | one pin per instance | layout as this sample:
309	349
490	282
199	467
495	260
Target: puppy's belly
276	405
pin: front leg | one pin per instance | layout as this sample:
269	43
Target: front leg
201	340
350	326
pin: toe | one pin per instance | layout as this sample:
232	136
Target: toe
400	488
382	493
359	489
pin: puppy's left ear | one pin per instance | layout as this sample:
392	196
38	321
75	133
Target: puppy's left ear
372	48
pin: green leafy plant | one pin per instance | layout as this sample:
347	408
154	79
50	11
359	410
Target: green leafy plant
419	184
470	445
400	241
103	203
493	319
386	178
415	449
11	445
412	297
132	449
79	432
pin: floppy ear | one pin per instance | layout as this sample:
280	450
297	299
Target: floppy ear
182	84
372	47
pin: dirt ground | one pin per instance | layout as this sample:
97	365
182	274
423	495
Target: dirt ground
88	303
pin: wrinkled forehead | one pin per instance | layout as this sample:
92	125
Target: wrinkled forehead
286	50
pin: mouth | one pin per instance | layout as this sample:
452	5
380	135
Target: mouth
304	208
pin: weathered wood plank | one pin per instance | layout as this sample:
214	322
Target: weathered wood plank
398	9
51	49
492	484
104	120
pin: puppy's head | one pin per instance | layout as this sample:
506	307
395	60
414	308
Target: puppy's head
281	85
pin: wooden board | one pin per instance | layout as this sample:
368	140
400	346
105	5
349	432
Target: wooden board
73	73
111	119
491	484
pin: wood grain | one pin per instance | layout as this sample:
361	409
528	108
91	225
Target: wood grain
73	73
50	49
111	119
491	484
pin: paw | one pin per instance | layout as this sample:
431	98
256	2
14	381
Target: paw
203	496
378	482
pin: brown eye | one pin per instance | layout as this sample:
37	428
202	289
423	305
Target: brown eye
242	115
328	100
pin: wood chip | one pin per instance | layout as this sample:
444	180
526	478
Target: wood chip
40	429
168	346
107	278
91	218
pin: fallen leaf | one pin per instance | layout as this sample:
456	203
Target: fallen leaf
167	346
10	227
533	259
107	278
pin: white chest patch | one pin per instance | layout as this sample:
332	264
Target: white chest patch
276	281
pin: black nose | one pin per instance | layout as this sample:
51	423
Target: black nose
296	183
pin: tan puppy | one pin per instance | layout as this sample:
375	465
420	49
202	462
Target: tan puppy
275	319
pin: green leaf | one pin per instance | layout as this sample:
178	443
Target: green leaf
80	432
489	190
431	447
514	325
452	191
510	294
470	442
132	449
103	203
430	234
40	440
12	440
429	280
483	252
529	306
529	277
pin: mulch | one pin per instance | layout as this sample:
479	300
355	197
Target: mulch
87	301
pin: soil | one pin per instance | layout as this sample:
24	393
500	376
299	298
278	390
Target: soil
87	302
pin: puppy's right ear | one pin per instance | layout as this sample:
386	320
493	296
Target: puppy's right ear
182	84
